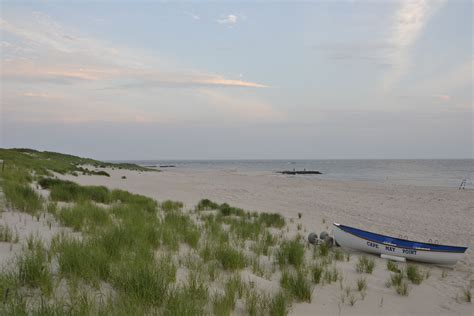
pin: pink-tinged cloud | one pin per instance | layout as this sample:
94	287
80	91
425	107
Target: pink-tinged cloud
442	97
40	95
219	81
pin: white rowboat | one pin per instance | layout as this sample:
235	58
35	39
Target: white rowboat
358	239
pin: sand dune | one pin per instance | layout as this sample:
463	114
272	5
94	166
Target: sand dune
422	213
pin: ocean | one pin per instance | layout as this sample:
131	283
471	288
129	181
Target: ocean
423	172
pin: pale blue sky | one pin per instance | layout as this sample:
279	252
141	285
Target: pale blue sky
223	80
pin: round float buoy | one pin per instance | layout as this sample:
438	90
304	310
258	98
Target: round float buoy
323	235
313	238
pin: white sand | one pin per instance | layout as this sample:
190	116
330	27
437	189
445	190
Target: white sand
422	213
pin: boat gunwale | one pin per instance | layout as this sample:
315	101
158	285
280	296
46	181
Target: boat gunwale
405	240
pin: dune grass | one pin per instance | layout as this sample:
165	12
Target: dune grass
84	216
18	191
413	274
291	252
365	265
393	266
297	285
32	267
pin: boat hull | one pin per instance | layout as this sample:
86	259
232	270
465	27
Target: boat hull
371	245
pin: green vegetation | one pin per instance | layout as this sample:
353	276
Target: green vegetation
467	295
392	266
291	252
361	284
365	264
124	250
413	274
402	289
42	163
297	285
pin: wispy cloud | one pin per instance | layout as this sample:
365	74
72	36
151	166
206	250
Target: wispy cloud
442	97
46	52
408	23
194	16
56	74
229	19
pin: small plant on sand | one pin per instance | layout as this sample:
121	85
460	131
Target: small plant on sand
297	285
291	252
256	303
230	258
280	305
361	284
413	274
365	265
323	250
396	279
338	255
352	299
402	289
331	275
316	273
392	266
467	294
6	234
444	273
299	215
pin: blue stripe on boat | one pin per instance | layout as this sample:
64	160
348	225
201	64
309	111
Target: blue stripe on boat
397	242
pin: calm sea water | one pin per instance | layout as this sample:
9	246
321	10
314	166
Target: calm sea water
448	173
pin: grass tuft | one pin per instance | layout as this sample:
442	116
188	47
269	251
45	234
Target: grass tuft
414	274
365	265
297	285
291	252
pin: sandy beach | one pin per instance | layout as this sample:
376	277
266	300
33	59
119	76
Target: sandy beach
422	213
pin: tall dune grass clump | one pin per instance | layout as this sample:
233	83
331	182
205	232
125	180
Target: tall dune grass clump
22	196
291	252
224	304
145	282
392	266
188	299
413	274
230	258
297	285
280	305
176	228
83	216
317	272
33	266
365	264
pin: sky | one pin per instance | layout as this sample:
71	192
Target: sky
238	80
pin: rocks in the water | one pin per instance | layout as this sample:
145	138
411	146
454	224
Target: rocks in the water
313	238
295	172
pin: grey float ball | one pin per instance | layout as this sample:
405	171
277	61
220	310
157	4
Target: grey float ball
329	241
323	235
313	238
